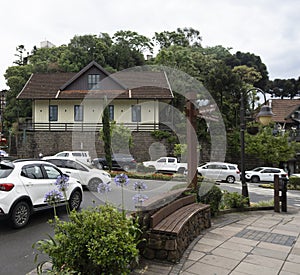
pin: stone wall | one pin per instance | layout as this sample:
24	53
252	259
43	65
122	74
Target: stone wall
31	144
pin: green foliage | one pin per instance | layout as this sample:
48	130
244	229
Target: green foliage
212	196
93	241
270	148
234	200
294	182
180	149
121	137
160	135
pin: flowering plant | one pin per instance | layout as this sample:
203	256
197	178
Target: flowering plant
53	197
62	183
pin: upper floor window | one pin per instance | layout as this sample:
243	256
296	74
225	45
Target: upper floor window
111	112
53	113
78	113
136	113
93	80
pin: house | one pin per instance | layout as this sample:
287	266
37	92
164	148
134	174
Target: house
286	115
74	102
64	101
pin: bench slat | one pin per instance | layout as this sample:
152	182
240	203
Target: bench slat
169	209
174	222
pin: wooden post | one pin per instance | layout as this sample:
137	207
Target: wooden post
276	194
191	113
283	195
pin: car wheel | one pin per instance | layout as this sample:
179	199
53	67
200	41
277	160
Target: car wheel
181	170
255	179
75	200
230	179
126	168
99	166
20	215
93	184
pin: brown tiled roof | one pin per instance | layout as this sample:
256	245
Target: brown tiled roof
283	108
132	84
44	85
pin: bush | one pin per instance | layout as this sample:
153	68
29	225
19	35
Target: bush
294	182
212	196
141	168
234	200
93	241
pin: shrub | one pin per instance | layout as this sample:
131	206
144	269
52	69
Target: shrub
144	169
234	200
212	196
94	241
294	182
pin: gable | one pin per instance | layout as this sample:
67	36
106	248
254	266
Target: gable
127	84
283	109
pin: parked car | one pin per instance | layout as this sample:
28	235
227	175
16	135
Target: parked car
220	171
82	156
86	174
167	164
124	162
264	174
3	153
23	186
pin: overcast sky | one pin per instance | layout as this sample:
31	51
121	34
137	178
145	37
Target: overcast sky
267	28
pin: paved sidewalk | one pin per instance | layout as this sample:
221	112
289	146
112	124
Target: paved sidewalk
255	242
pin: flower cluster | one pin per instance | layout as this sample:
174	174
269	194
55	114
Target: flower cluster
121	180
139	186
53	197
103	188
139	198
62	183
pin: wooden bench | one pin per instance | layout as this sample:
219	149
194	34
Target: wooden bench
174	226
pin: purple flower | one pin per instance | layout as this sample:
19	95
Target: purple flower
139	198
121	180
62	182
139	186
103	188
52	197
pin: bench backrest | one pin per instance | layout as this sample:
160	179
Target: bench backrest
170	208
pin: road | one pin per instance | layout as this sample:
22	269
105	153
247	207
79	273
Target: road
17	255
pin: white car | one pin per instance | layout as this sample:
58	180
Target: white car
264	174
24	185
88	175
82	156
219	171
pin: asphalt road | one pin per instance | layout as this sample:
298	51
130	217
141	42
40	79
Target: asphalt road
17	254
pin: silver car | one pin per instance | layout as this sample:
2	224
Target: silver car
219	171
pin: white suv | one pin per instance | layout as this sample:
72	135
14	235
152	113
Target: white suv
220	171
264	174
82	156
24	185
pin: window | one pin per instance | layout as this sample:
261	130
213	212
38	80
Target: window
78	113
93	80
111	112
52	172
53	113
136	113
32	172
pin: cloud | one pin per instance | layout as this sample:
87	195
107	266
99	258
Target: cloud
266	28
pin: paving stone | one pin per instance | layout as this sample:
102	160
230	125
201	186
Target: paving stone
294	259
270	253
249	268
229	253
219	261
264	261
236	246
291	267
203	268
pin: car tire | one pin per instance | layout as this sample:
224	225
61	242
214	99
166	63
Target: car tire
181	170
230	179
75	200
20	214
126	168
255	179
93	184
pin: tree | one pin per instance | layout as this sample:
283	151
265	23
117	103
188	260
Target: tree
106	137
271	148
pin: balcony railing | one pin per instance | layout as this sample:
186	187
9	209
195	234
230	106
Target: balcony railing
87	127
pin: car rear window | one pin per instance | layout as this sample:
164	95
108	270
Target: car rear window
5	171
